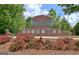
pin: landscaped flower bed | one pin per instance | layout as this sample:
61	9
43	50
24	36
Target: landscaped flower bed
25	41
4	39
39	44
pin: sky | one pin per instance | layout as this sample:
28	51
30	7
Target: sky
37	9
43	9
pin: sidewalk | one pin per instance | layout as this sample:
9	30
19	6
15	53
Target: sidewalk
56	37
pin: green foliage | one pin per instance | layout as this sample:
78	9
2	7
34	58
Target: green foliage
76	29
29	22
55	23
58	22
52	13
64	25
54	17
70	8
11	17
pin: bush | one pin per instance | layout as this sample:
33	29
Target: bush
31	44
39	44
12	18
76	29
75	48
71	45
4	39
60	44
14	47
77	44
50	47
21	42
27	37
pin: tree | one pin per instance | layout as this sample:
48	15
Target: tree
28	22
52	13
76	29
64	25
55	18
59	23
11	17
55	22
70	8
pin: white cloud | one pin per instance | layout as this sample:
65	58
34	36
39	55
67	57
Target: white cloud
34	9
72	18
